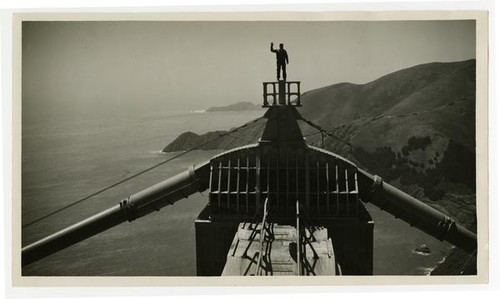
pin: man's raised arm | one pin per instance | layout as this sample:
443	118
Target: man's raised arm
272	49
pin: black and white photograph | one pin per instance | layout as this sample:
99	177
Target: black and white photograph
219	148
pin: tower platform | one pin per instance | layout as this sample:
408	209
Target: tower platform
278	177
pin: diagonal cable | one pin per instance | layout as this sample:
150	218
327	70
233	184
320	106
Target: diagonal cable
141	172
329	133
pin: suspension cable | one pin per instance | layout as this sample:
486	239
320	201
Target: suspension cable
143	171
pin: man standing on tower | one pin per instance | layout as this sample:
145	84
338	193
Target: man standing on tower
281	61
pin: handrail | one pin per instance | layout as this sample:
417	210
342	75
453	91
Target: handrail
298	237
281	93
258	270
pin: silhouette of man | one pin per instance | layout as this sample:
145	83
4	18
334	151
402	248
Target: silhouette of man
281	61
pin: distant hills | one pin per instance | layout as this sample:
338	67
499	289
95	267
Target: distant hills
414	127
240	106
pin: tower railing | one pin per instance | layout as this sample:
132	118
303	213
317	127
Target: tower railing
281	93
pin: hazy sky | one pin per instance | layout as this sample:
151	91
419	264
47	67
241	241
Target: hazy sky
195	65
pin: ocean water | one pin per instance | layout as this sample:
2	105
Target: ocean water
66	158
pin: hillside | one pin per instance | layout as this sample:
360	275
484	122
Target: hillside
414	127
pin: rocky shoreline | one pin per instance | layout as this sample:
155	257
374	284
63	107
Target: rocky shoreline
240	106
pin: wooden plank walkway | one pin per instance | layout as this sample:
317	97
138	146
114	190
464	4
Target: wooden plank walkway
279	252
